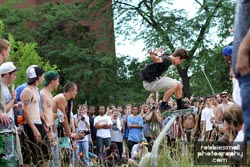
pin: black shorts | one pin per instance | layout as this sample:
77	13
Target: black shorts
33	151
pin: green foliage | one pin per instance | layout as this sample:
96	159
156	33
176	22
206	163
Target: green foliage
130	85
173	156
172	28
1	28
23	55
63	37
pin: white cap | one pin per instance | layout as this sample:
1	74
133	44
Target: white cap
28	69
31	73
8	67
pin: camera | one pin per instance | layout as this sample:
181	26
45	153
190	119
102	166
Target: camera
153	106
115	155
86	132
82	118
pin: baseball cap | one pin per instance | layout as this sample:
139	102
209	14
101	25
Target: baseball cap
32	66
227	51
49	76
33	73
224	93
8	67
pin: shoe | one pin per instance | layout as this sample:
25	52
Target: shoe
164	107
181	107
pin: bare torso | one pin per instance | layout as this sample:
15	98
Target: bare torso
47	106
34	110
188	121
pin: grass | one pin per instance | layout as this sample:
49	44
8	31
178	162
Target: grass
174	157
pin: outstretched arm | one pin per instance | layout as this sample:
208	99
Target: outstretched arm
154	57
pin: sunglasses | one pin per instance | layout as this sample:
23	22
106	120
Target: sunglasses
223	96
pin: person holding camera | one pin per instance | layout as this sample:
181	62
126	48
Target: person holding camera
138	151
82	120
152	122
111	156
153	81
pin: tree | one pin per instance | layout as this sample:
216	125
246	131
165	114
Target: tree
23	55
161	25
65	39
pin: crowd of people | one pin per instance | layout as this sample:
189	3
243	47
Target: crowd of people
49	134
37	128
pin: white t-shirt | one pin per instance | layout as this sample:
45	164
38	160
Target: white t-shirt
135	150
8	97
240	136
82	126
236	92
206	115
103	133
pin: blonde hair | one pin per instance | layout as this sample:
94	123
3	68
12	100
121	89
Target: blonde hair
4	44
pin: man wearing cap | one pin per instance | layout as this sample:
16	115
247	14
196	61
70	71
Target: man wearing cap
227	54
4	54
51	83
224	105
36	136
8	72
20	88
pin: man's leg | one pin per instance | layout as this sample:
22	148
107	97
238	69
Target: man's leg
85	151
177	89
245	95
178	95
169	92
100	148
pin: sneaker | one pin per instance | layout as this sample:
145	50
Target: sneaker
181	107
164	107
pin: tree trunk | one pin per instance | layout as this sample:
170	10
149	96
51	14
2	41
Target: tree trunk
185	81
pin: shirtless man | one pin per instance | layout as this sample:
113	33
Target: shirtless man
61	103
187	121
51	83
36	136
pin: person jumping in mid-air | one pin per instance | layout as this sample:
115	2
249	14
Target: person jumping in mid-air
153	81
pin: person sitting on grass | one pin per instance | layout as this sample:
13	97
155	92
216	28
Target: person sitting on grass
138	151
111	156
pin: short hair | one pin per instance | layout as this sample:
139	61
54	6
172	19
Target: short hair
69	86
92	107
113	146
4	44
182	53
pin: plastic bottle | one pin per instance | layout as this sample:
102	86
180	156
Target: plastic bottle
60	116
20	119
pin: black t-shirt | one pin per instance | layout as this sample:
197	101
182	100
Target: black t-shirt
154	70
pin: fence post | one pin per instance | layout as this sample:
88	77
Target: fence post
155	148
